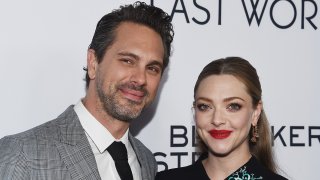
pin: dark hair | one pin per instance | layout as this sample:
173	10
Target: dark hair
247	74
139	13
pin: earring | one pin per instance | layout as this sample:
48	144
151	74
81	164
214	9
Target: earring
255	134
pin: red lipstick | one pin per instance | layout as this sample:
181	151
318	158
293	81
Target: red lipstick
220	134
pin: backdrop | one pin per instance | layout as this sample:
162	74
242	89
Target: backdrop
43	50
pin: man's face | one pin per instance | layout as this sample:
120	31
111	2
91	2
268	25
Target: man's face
127	79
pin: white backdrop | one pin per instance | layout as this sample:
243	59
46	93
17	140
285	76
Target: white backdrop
43	49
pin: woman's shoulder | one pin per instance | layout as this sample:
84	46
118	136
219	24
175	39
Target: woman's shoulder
253	169
175	173
278	177
194	171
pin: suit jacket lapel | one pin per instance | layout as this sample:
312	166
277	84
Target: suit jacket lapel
142	158
74	148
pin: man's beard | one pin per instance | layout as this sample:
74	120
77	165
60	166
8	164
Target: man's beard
112	105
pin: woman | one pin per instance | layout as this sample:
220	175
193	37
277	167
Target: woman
231	124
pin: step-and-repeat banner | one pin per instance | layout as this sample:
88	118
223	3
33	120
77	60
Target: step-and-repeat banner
43	48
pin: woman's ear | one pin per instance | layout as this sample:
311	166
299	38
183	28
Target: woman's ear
256	113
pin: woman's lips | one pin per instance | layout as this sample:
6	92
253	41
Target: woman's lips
220	134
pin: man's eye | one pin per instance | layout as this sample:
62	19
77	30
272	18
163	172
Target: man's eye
154	69
203	107
234	107
127	61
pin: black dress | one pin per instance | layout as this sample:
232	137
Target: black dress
252	170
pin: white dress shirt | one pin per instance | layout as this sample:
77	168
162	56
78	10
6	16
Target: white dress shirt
100	139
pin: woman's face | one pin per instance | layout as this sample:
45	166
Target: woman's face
224	114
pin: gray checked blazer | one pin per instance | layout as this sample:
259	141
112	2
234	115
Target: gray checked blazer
59	150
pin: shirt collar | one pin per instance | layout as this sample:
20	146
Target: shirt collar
100	135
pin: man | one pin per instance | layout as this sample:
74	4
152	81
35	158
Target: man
125	61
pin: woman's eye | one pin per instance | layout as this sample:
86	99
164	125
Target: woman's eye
203	107
234	107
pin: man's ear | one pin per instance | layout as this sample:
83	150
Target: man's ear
92	63
256	113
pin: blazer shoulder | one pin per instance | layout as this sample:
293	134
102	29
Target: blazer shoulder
141	150
26	143
13	162
35	150
49	130
146	158
26	137
136	143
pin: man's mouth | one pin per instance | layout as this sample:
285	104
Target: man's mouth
132	93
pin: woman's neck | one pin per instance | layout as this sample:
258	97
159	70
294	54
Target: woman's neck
220	167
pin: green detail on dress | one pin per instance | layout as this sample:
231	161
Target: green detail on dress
242	174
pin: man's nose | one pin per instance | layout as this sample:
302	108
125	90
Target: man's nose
138	76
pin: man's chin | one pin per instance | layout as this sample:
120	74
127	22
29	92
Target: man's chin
136	102
128	117
125	120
